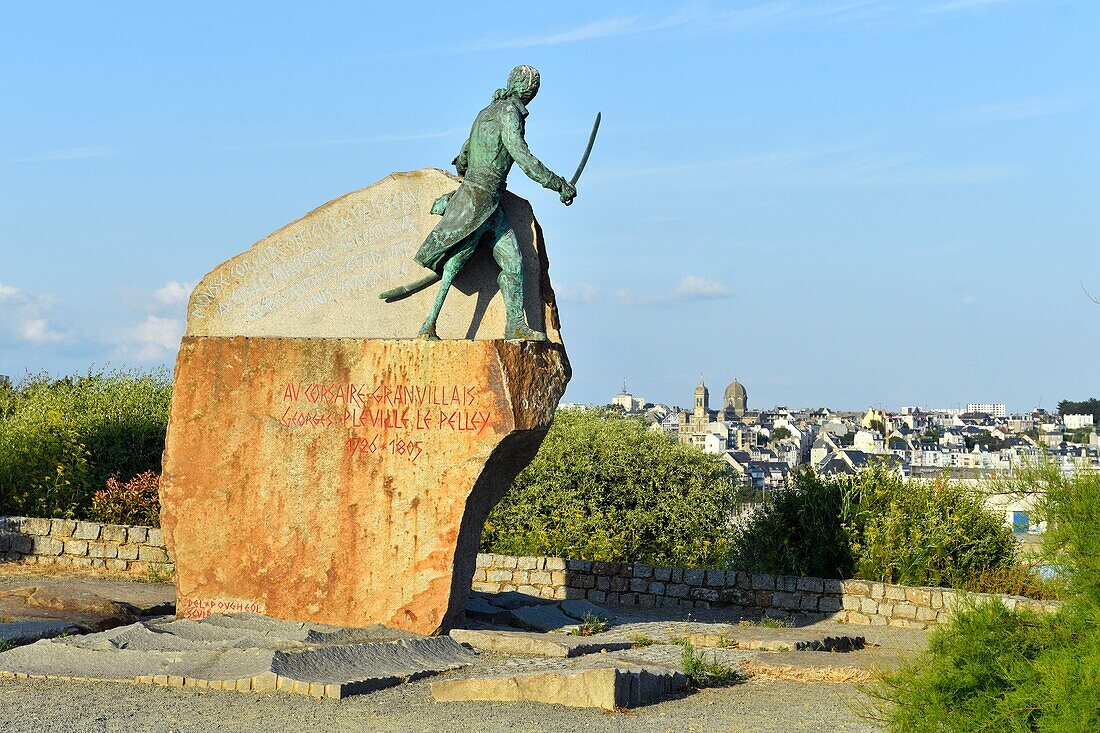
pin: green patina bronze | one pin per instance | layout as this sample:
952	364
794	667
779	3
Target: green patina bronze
472	213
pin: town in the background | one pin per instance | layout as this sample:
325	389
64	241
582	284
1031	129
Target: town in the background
982	441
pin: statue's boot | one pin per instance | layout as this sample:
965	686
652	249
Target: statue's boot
522	332
516	328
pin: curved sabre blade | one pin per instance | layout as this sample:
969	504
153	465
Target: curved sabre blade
587	151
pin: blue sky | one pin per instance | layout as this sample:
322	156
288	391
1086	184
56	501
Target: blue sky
844	203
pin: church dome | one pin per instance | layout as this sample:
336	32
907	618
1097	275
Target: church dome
736	396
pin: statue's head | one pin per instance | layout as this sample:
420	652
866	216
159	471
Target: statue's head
523	84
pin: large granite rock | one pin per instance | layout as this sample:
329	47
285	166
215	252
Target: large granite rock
322	465
321	275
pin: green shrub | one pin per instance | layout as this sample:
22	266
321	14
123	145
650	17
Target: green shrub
61	439
994	669
877	526
800	532
134	502
606	488
935	533
1071	509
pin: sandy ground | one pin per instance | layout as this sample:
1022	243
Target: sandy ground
56	706
758	705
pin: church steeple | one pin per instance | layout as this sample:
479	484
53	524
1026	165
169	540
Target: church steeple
702	398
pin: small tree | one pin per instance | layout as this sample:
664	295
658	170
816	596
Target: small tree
606	488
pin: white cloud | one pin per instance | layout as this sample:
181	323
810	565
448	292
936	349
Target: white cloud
153	339
69	154
690	288
25	318
584	293
174	293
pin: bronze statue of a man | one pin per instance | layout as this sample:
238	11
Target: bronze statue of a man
473	212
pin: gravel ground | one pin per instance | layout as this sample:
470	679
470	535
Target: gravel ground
760	706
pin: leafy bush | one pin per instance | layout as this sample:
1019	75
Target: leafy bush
606	488
800	532
61	439
134	502
1071	509
925	532
995	669
876	526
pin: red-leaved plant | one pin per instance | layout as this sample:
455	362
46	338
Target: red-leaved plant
133	502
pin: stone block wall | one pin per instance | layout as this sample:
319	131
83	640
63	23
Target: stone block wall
753	595
73	543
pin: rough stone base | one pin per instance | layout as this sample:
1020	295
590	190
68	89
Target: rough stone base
345	481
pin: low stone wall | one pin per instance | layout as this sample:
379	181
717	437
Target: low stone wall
68	542
798	599
141	549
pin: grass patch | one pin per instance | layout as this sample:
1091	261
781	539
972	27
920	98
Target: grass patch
5	645
703	673
641	641
155	575
766	622
590	624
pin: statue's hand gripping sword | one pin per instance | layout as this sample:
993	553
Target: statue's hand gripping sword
416	286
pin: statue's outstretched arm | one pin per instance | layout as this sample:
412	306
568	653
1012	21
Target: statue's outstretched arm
512	135
462	160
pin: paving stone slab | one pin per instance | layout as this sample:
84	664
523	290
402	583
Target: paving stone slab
809	666
25	632
581	610
542	618
319	662
775	639
533	644
511	600
146	598
32	612
479	609
607	687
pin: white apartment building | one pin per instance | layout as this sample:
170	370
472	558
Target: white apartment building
1076	422
993	409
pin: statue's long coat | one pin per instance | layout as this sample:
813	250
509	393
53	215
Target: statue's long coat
495	142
